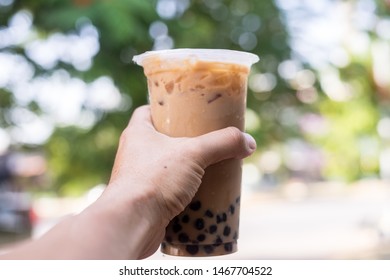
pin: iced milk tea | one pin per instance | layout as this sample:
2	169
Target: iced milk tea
191	96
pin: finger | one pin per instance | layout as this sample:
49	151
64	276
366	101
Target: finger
223	144
141	115
140	119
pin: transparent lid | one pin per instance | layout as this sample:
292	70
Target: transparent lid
212	55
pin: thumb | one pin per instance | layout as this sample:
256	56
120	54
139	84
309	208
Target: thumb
223	144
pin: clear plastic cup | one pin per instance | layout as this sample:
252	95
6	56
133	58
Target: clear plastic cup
193	92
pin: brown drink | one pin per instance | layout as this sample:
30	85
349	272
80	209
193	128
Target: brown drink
193	92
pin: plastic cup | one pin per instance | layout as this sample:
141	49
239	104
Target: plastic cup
193	92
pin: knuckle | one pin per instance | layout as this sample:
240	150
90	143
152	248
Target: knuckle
235	136
193	151
124	136
138	111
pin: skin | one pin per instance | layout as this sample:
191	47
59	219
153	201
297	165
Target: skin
153	179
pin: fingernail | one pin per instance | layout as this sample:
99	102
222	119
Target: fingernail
250	141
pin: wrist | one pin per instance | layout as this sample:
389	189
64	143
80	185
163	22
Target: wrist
139	197
124	224
110	232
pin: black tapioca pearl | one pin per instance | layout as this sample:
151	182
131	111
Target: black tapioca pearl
226	231
221	218
176	228
201	237
163	245
175	220
209	214
199	224
235	235
228	247
232	209
185	219
195	206
183	237
213	229
208	249
192	249
218	241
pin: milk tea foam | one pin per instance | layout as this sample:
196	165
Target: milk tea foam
191	96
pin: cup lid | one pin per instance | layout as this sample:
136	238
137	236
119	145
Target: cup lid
212	55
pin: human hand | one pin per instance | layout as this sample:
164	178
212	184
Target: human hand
161	174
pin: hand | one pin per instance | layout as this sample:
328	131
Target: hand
162	173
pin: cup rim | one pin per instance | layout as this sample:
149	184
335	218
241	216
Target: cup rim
211	55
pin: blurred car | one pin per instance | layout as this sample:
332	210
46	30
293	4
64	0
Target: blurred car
16	216
16	211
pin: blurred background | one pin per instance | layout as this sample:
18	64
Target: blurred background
318	106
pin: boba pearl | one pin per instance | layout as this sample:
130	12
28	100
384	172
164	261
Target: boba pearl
195	206
228	247
208	249
183	237
201	237
218	241
232	209
226	231
192	249
211	226
199	224
213	229
221	218
209	214
185	219
176	228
